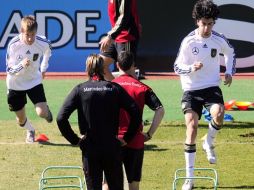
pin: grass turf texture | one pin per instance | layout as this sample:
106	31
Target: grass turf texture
22	164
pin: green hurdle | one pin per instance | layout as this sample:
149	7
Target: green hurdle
46	178
211	170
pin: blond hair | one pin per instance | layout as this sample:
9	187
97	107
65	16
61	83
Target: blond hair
29	24
95	66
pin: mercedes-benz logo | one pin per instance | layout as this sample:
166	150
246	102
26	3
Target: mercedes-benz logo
19	57
195	50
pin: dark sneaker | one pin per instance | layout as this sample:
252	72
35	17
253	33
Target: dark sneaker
49	118
141	76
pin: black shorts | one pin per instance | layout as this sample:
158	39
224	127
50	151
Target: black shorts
17	98
133	161
116	48
196	99
97	159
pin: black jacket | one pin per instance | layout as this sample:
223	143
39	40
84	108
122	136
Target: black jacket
98	105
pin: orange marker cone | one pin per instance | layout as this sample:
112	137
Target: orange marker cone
228	105
42	138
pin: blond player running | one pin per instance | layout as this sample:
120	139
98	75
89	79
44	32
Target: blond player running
26	64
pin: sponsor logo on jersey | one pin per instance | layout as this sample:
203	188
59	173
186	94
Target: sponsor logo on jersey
99	89
19	57
195	50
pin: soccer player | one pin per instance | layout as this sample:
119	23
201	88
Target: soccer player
133	152
98	104
198	64
124	34
26	64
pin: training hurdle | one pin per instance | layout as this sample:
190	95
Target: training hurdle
50	181
213	171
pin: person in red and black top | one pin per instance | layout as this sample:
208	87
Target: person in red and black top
124	34
133	152
98	103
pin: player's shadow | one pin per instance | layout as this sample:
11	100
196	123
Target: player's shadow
233	187
153	147
55	144
238	187
236	109
232	125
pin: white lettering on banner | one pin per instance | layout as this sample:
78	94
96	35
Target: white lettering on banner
14	21
82	18
66	31
237	30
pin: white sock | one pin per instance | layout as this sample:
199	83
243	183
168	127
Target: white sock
27	125
190	161
212	132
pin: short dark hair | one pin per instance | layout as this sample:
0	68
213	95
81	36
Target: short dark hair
95	66
205	9
125	60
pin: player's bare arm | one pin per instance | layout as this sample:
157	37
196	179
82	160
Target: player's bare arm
43	74
228	80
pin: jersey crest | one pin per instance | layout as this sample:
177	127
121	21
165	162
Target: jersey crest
213	52
35	57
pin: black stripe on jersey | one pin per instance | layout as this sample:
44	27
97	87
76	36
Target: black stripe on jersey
181	71
13	71
223	37
14	40
234	68
44	40
191	33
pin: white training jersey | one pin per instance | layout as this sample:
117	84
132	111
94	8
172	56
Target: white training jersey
24	78
208	51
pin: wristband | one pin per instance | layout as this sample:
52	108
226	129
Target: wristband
109	36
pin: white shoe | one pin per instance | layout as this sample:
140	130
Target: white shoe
210	153
188	185
30	136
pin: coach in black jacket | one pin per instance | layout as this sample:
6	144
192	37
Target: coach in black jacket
98	103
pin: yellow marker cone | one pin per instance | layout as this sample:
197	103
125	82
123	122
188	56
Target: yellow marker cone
204	137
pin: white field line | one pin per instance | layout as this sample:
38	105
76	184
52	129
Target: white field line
182	142
35	143
151	142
